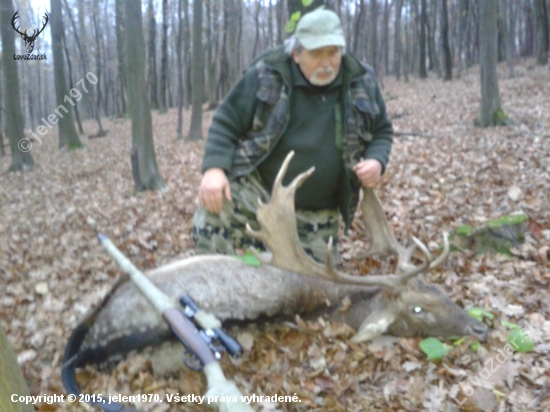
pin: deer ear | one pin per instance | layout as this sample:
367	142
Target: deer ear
374	326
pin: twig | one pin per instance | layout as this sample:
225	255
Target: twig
413	134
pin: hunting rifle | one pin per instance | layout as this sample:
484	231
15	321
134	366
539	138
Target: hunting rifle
201	350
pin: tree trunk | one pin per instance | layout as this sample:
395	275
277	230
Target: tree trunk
82	11
279	11
101	102
541	17
187	53
509	34
408	49
490	113
195	131
422	72
257	8
144	164
71	84
432	30
398	45
232	54
164	59
11	378
121	81
528	43
152	56
385	41
447	59
373	35
270	24
179	132
67	132
90	97
215	44
462	36
210	44
21	159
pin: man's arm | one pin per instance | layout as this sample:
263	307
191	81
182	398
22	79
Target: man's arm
377	154
380	146
230	123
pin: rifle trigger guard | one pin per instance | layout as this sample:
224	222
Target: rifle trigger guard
191	360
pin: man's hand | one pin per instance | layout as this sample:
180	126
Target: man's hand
214	186
369	172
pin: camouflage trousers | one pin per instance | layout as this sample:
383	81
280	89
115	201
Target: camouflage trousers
226	232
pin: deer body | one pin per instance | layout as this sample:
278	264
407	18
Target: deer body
290	283
233	290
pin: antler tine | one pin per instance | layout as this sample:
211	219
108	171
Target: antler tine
429	264
407	271
44	24
330	263
444	254
13	22
279	231
298	180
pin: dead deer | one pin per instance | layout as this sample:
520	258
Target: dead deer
290	283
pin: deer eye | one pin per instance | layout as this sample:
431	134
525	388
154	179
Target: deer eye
417	309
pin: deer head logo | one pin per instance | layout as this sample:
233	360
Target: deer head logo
29	40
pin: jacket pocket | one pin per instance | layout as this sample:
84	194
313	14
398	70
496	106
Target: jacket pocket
366	112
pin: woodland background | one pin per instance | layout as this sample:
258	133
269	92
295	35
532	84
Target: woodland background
445	172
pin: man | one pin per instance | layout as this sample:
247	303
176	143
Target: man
311	97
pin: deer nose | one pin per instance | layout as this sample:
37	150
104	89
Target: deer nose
479	330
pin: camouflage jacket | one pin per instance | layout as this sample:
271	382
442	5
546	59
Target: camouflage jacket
243	133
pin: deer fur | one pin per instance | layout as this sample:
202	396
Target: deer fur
400	304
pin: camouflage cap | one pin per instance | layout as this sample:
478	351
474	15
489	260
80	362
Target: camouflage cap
320	28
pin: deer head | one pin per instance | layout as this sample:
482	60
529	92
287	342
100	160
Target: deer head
29	40
406	306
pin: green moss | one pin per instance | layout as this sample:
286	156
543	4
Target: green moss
497	235
509	220
499	117
74	146
464	230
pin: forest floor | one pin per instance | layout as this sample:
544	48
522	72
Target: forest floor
450	174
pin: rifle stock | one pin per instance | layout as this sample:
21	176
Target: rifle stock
185	331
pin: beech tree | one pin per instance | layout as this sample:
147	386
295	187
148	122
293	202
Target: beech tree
21	158
448	62
541	16
67	131
144	164
195	131
490	113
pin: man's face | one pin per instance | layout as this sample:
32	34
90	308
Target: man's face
319	66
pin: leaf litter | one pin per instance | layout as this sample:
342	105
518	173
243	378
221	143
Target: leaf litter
52	269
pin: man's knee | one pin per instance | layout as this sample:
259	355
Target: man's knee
224	232
211	233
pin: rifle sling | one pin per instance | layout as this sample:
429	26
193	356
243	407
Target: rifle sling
70	357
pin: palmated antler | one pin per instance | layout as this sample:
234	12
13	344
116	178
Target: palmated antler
382	240
279	233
